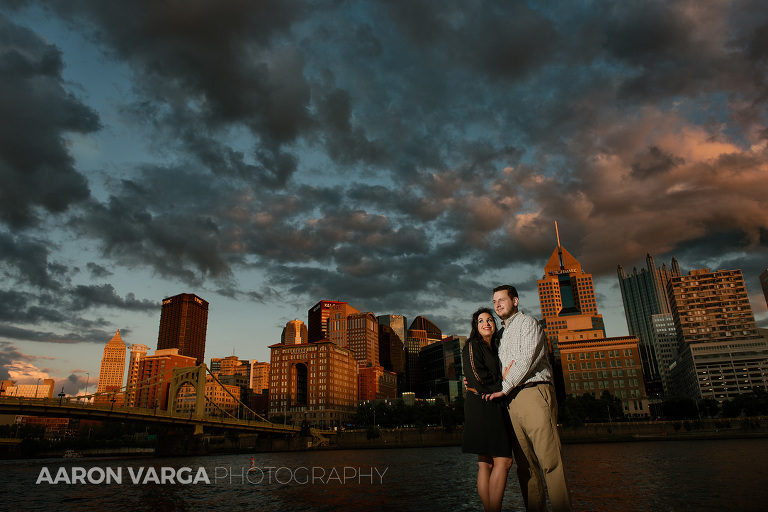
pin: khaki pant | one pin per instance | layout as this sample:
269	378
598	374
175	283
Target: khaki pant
537	449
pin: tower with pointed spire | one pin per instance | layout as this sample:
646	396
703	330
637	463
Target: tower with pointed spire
567	299
112	365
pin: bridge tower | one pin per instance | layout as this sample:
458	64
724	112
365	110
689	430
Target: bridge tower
195	376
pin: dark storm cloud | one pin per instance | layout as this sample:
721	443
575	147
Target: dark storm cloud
83	336
26	260
85	297
98	271
383	152
38	112
226	64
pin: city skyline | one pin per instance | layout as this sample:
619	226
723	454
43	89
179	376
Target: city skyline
402	157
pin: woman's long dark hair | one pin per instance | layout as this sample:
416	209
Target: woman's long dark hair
474	334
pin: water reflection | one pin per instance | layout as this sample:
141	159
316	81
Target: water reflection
650	476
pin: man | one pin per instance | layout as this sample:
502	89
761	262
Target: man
529	389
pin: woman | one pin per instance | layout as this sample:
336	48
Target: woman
487	429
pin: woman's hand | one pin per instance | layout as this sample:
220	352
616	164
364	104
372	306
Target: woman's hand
493	396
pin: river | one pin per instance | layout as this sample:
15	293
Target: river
722	475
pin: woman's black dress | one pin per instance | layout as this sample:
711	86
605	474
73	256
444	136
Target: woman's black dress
487	428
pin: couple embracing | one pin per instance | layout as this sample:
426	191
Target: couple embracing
511	408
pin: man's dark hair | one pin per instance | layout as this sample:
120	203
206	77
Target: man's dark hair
511	290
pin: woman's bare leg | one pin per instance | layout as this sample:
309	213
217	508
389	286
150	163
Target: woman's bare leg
497	482
484	471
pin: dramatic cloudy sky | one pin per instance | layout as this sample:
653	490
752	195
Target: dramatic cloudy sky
404	156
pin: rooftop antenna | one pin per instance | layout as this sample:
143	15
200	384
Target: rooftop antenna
559	248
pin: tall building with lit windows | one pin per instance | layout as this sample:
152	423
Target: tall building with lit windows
183	325
316	382
112	365
644	294
567	299
721	353
605	364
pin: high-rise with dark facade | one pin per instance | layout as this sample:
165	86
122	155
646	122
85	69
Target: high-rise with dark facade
183	324
317	320
422	332
644	295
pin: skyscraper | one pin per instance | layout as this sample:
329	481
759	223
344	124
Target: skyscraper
422	332
317	320
183	324
112	365
644	294
567	298
138	352
337	323
721	353
294	333
363	338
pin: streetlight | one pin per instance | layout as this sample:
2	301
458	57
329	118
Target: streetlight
87	379
38	385
61	395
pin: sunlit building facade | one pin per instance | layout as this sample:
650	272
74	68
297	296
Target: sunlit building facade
317	320
259	376
155	374
44	390
294	333
183	325
605	364
375	383
721	352
338	327
363	338
567	299
138	352
316	382
112	365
